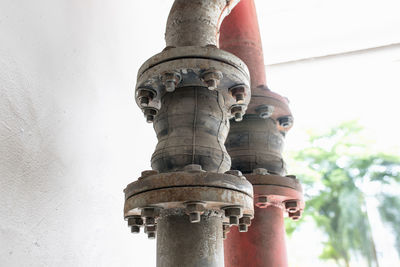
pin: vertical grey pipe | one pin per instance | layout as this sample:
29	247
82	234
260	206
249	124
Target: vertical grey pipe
184	244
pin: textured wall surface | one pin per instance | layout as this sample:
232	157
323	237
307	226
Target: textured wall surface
70	131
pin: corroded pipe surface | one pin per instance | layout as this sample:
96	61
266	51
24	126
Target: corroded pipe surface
183	244
196	22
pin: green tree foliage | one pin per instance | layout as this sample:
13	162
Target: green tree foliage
339	171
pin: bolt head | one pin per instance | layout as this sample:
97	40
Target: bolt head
212	84
291	206
261	202
151	235
286	122
233	211
246	219
150	228
135	220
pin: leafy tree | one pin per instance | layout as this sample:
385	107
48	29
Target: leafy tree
339	171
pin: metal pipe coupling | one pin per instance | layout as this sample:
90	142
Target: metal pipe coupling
194	192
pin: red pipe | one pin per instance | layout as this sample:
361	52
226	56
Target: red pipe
240	35
264	244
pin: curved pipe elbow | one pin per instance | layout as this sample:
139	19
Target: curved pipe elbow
196	22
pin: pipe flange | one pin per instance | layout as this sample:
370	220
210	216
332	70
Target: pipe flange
194	66
281	191
194	191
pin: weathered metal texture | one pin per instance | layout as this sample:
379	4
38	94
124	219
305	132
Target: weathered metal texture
196	22
180	243
264	243
192	121
262	246
256	143
175	190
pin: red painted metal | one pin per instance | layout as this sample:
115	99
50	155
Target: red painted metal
240	35
264	243
262	246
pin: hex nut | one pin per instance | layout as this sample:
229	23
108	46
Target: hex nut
171	79
237	111
238	93
291	206
150	229
261	202
135	221
286	122
233	213
145	95
149	212
211	78
265	111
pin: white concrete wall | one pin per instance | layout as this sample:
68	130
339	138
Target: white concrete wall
70	131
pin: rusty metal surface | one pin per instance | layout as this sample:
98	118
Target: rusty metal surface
192	65
196	22
174	190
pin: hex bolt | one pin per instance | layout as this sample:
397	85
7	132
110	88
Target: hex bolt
295	216
149	215
291	206
237	112
194	210
148	173
149	114
286	122
149	221
192	168
261	202
238	93
265	111
212	78
150	228
235	172
171	79
233	213
135	220
145	96
135	229
244	223
151	231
